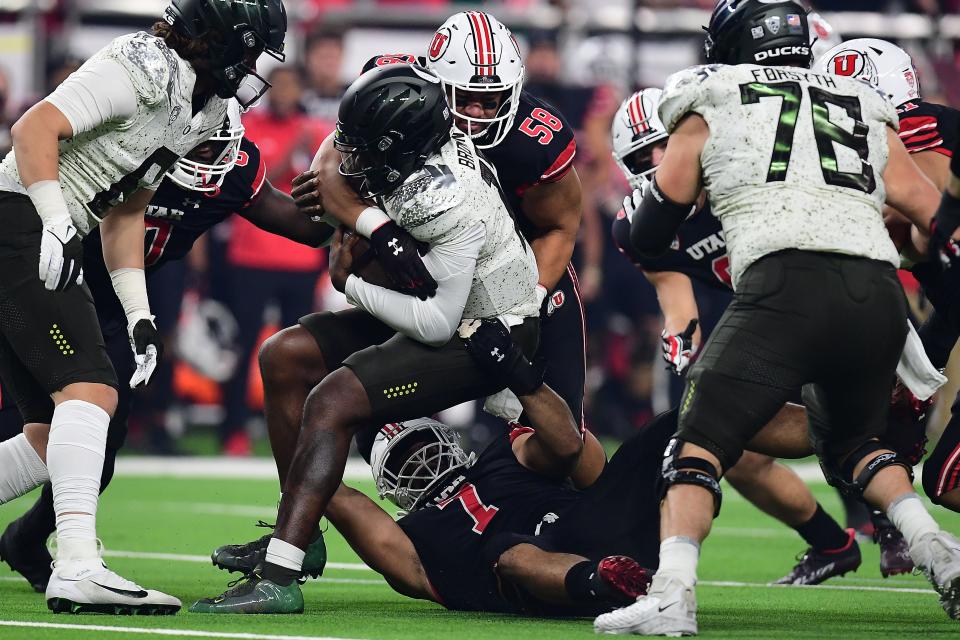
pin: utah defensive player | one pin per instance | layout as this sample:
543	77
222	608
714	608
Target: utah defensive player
817	303
929	131
698	252
395	356
95	150
217	179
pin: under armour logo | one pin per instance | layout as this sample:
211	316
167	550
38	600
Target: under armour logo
496	354
395	245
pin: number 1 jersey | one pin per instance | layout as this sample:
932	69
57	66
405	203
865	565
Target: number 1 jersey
794	159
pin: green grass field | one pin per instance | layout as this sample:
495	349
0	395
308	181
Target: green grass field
141	517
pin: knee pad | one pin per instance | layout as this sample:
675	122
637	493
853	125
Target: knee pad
689	470
841	475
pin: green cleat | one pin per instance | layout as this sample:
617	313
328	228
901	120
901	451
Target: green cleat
246	557
254	594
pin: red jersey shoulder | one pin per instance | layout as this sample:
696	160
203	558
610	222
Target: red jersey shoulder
925	126
541	145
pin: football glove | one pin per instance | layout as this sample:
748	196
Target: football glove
907	424
679	349
497	355
632	202
147	350
61	255
942	250
400	255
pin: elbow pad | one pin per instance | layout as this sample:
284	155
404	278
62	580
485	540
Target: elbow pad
656	221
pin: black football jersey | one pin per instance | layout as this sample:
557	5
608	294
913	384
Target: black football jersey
539	149
496	495
925	126
699	251
175	218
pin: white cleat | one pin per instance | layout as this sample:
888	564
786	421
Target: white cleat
938	555
668	609
88	586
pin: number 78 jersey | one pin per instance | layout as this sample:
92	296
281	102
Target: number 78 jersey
794	159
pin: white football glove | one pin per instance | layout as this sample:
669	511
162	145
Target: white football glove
632	202
147	349
61	255
679	349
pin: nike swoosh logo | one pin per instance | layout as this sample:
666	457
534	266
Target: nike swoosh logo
662	609
122	592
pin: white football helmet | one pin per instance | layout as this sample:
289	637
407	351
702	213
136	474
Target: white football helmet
474	52
207	337
823	37
207	177
637	126
409	458
883	64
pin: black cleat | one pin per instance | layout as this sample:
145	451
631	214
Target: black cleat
27	555
246	557
894	552
817	566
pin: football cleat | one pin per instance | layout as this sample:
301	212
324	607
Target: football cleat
668	609
253	594
817	566
246	557
624	577
938	556
87	586
894	552
27	555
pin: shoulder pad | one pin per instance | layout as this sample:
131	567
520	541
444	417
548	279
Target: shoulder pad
151	64
425	195
682	93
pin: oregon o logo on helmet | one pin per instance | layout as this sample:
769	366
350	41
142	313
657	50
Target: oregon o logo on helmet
439	44
801	50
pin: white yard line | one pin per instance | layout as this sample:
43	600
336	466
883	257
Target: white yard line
183	633
829	587
217	467
180	557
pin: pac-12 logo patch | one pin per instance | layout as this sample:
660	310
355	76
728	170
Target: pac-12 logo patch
557	298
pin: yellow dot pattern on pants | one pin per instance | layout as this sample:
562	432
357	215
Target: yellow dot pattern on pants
400	390
61	341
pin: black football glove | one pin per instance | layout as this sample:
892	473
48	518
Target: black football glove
942	250
400	254
147	350
498	356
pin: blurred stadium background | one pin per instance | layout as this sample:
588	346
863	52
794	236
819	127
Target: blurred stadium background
584	56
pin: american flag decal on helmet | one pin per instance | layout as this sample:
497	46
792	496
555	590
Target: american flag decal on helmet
392	430
485	60
639	121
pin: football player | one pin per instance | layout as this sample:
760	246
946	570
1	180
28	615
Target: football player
395	356
817	303
215	180
699	253
94	152
929	132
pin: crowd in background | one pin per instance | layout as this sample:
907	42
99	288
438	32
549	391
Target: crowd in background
267	282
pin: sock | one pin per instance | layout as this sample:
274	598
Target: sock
283	562
75	453
578	582
910	516
678	559
823	533
21	467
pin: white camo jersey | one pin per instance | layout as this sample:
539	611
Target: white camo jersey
794	159
144	145
454	191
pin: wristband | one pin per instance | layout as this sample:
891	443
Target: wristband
47	198
130	285
369	220
541	292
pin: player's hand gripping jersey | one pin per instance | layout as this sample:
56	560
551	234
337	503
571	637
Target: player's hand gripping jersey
794	160
98	168
457	191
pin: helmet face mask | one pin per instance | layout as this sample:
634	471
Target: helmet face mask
474	53
636	133
237	33
880	63
411	459
207	165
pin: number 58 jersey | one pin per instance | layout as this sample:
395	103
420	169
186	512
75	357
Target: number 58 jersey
794	159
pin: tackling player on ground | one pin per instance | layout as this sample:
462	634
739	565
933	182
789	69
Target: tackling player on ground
92	151
817	303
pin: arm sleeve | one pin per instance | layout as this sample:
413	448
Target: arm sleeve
98	92
432	321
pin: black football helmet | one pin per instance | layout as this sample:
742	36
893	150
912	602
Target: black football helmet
237	32
392	118
764	32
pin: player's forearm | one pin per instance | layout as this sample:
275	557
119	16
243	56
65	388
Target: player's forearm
553	251
677	302
121	234
275	212
555	446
